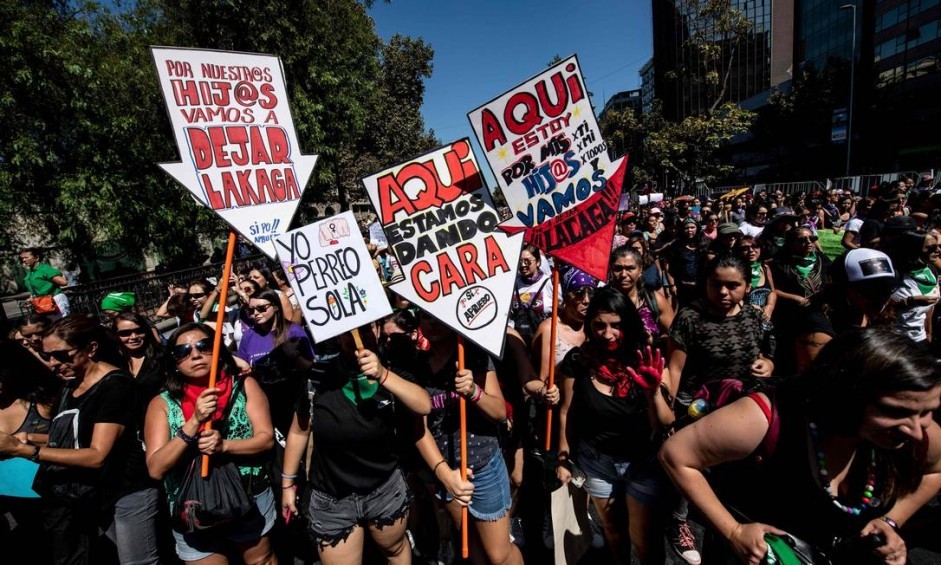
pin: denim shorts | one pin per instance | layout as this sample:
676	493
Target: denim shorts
608	477
331	520
200	545
491	499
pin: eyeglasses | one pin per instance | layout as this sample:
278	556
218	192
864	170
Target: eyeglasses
527	262
62	355
192	295
811	239
181	352
131	331
749	247
583	291
261	308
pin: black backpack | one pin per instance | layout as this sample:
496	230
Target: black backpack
524	317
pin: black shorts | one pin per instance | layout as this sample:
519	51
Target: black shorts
333	519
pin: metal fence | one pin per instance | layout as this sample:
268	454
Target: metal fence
150	288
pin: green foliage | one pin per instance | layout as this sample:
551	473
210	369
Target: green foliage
84	122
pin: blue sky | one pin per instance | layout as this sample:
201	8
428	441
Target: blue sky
484	48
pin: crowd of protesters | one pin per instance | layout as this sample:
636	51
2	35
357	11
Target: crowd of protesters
728	371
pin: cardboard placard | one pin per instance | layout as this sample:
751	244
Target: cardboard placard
332	275
441	224
233	126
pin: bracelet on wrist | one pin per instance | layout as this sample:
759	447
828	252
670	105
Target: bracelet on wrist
478	393
34	456
187	439
285	476
892	523
434	470
385	376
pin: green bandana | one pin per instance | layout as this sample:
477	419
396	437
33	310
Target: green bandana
925	279
359	387
805	264
755	273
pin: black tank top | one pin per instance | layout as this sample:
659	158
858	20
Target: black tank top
34	423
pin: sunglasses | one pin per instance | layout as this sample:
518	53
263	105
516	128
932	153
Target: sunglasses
749	247
260	309
195	294
181	352
583	291
527	262
811	239
61	355
131	331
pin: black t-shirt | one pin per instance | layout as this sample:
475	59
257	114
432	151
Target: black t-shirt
444	422
112	400
870	230
355	445
718	347
618	427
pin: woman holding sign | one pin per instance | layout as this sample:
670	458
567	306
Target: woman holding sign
355	413
486	492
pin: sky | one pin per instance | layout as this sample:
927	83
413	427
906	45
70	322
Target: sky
484	48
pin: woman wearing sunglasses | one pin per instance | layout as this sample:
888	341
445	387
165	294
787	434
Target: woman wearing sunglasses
91	473
800	271
174	431
918	285
762	294
143	353
278	351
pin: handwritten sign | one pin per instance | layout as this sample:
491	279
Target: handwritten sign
233	126
441	224
543	144
332	275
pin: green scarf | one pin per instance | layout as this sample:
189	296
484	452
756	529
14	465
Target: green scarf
925	279
805	264
755	273
359	388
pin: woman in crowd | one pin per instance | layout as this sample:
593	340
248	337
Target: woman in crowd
856	453
174	435
756	216
761	284
486	492
33	328
654	309
655	276
27	395
710	224
173	289
198	294
861	284
685	258
91	472
356	415
578	289
918	283
533	291
142	352
43	280
263	277
851	239
799	271
611	408
278	351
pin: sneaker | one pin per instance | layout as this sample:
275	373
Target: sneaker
516	532
683	542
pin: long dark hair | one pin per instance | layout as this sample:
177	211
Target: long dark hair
152	347
612	300
855	369
81	330
174	379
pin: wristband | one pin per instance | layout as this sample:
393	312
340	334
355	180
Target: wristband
478	393
34	456
283	476
434	470
892	523
385	376
187	439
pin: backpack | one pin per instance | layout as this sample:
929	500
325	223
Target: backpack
524	317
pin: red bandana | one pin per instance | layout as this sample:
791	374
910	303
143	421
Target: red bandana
609	368
192	391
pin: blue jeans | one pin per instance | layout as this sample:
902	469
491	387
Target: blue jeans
608	477
491	499
134	530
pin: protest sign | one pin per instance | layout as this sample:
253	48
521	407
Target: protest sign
544	146
332	275
233	126
441	224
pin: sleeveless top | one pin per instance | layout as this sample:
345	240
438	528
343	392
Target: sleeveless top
561	349
236	426
759	295
34	423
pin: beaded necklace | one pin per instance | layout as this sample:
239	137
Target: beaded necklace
867	499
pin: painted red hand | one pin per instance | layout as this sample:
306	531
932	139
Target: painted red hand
649	373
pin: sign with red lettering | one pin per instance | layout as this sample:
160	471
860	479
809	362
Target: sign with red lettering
544	145
233	126
332	275
441	224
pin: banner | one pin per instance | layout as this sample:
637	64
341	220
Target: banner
233	126
543	144
441	224
332	275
